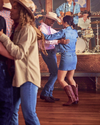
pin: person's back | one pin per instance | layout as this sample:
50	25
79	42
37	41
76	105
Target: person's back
2	26
5	85
72	35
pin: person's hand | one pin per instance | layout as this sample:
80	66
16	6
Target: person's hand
1	32
37	16
64	41
90	27
42	10
61	18
79	14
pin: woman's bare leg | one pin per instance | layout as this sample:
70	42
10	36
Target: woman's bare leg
61	78
70	75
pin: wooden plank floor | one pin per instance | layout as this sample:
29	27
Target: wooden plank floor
87	112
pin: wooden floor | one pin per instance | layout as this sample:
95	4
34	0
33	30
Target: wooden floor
87	112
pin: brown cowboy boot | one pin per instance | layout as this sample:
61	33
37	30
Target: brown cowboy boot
75	90
70	94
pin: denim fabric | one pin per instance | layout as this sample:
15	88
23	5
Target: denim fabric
6	95
51	62
67	33
68	61
27	96
65	8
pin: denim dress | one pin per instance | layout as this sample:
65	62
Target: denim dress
68	55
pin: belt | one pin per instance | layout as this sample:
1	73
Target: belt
50	50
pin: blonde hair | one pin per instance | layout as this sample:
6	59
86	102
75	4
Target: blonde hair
24	19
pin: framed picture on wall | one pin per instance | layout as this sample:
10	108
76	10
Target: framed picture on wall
82	3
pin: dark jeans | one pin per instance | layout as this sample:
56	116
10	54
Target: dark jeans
6	95
51	62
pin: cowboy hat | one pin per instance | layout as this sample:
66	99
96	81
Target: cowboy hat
7	4
52	16
28	5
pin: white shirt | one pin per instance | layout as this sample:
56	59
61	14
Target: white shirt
47	30
84	25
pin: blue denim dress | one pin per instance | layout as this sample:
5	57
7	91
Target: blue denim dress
68	55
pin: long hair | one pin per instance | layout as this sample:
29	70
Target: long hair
69	20
25	18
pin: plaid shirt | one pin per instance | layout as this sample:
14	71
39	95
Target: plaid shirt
9	22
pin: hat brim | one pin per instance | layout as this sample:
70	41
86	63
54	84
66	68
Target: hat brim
55	19
29	11
7	5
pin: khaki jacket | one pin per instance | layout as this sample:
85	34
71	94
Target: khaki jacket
24	49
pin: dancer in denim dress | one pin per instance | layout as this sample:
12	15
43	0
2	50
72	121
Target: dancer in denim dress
68	59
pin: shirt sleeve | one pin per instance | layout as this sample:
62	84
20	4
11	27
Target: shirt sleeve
18	51
77	8
55	36
59	9
2	24
53	42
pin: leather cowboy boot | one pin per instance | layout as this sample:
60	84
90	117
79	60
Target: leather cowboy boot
75	90
70	94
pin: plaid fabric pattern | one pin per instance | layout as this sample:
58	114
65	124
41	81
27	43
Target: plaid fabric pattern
9	22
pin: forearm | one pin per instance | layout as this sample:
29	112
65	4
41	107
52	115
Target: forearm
14	50
4	52
52	42
55	36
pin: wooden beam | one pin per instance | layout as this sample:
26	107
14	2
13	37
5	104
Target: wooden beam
48	6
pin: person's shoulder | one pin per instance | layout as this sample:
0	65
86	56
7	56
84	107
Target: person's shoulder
75	32
28	28
63	4
2	18
77	4
42	24
2	21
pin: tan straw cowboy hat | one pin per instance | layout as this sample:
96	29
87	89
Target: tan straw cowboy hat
7	4
28	5
52	16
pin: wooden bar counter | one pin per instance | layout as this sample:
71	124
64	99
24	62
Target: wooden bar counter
88	65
